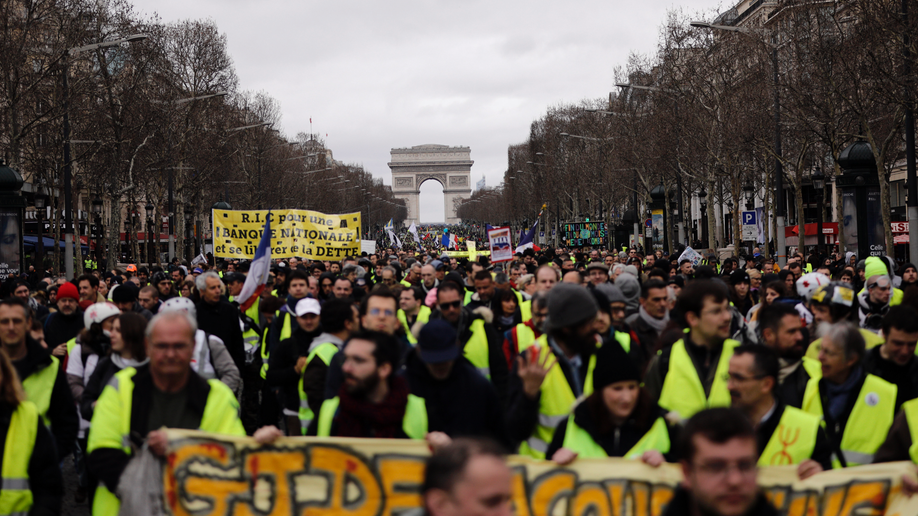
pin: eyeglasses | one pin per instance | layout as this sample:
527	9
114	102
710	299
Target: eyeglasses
736	377
721	469
450	304
376	312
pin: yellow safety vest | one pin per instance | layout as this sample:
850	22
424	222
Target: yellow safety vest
414	423
683	391
476	349
111	425
525	306
910	408
895	298
581	442
868	424
70	344
15	491
38	387
251	336
468	298
286	331
793	441
525	337
405	283
325	352
871	340
555	403
423	317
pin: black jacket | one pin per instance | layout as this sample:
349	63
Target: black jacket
44	471
62	414
616	443
465	404
107	464
905	378
282	364
222	320
791	390
681	505
60	328
646	335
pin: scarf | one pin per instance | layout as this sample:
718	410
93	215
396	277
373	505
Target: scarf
360	418
656	324
837	395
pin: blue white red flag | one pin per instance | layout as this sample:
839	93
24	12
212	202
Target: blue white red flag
259	270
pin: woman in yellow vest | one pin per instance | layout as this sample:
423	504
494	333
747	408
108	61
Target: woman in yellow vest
31	477
617	420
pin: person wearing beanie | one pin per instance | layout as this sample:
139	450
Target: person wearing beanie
909	275
690	375
631	289
460	401
617	420
548	377
876	297
64	325
125	298
611	336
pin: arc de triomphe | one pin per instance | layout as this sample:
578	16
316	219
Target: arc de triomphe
450	166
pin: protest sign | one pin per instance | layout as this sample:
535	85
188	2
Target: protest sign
206	474
500	245
300	233
691	255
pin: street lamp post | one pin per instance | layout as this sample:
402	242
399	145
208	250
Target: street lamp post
97	205
819	184
702	198
40	204
68	172
149	209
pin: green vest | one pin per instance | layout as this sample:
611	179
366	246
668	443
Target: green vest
868	424
414	423
683	391
405	283
251	336
581	442
325	352
814	369
525	306
525	337
476	348
286	331
871	340
70	344
555	402
468	298
910	408
793	441
423	317
15	492
624	340
38	387
111	425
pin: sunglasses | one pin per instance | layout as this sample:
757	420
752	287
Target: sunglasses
451	304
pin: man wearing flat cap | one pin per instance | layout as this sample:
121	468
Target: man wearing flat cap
549	376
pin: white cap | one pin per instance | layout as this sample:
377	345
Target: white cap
308	305
809	282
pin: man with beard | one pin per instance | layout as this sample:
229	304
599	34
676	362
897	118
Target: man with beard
894	360
549	376
523	335
652	317
691	375
373	402
909	275
782	331
719	467
753	378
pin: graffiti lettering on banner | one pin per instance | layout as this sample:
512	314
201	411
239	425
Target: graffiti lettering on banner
301	233
205	474
500	245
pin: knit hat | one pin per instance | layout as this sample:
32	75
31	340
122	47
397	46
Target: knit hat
629	286
68	290
437	342
739	276
127	293
906	267
875	266
613	365
569	305
601	300
612	293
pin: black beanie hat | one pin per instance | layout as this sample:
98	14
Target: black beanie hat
613	365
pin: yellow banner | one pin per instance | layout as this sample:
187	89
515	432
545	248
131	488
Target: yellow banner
300	233
207	475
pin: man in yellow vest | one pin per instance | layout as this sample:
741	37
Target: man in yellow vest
786	436
781	329
857	408
169	394
691	374
548	377
412	310
523	335
42	376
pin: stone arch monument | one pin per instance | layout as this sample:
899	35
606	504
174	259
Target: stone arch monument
450	166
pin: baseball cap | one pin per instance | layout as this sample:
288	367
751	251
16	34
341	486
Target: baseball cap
739	276
437	342
234	276
308	305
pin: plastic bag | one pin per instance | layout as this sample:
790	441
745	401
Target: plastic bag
141	485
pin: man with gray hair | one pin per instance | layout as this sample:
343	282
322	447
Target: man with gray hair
858	408
138	402
219	317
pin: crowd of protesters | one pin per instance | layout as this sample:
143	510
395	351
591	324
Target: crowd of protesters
557	355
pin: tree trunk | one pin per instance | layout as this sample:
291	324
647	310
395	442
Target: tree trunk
114	231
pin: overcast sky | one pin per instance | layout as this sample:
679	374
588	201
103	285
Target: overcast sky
377	75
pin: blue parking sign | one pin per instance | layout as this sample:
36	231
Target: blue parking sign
749	218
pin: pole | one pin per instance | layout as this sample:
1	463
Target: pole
40	267
682	217
912	178
68	194
637	217
171	216
820	238
779	168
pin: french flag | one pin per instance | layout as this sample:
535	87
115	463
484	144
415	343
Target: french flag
258	271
